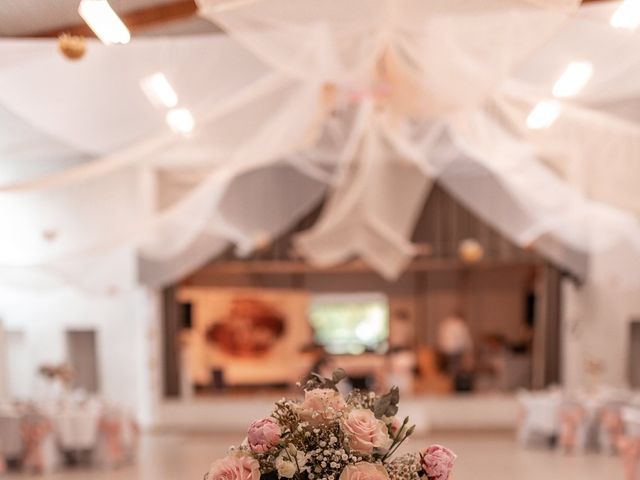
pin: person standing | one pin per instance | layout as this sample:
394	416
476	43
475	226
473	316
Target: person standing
455	344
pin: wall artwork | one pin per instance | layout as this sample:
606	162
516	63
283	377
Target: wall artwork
253	336
250	328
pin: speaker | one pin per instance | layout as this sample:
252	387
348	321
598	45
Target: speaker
530	309
184	313
217	379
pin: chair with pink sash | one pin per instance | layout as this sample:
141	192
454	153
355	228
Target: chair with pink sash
611	428
629	443
118	438
40	453
10	437
574	428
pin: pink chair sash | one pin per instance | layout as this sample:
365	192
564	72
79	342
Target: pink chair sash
570	420
611	422
629	449
34	432
135	437
112	430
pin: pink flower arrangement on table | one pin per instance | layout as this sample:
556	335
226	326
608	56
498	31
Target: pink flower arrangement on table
328	437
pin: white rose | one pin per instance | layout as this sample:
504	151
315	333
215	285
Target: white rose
288	462
286	469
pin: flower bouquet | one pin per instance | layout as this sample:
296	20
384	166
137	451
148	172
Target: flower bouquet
328	437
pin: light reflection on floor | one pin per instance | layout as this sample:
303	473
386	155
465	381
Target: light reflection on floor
482	456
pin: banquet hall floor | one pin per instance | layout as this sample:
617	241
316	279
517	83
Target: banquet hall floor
490	456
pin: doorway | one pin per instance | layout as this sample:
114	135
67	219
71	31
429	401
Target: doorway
83	359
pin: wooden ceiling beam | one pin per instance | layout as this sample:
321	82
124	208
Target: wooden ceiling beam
137	20
145	18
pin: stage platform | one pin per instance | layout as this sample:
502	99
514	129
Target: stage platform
232	413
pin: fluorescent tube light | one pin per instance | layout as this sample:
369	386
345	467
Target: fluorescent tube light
159	91
627	15
104	22
573	79
180	120
543	114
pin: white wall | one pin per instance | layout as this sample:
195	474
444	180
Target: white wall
43	318
596	326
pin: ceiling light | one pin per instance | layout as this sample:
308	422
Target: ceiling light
627	15
180	120
104	22
543	114
224	5
575	76
159	91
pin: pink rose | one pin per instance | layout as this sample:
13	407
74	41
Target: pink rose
364	471
320	405
437	462
235	467
394	423
365	432
263	434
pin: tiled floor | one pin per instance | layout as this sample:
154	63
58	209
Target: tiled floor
482	456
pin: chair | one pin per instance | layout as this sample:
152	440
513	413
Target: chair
431	379
118	439
629	444
574	427
610	428
539	417
40	453
10	438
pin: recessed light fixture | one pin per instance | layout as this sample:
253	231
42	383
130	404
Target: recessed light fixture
180	120
573	79
104	22
159	91
543	114
627	15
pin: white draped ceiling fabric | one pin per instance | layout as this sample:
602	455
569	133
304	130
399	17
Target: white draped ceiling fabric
364	103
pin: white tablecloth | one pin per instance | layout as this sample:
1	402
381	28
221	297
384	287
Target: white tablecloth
77	430
75	427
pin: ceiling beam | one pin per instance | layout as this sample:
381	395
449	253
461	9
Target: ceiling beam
136	20
149	17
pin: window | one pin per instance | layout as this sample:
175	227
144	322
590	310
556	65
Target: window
350	323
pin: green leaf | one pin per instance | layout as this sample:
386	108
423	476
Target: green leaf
338	375
316	380
387	405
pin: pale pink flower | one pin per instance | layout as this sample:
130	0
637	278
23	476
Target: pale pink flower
263	434
394	424
290	461
235	467
364	471
320	405
365	432
437	462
